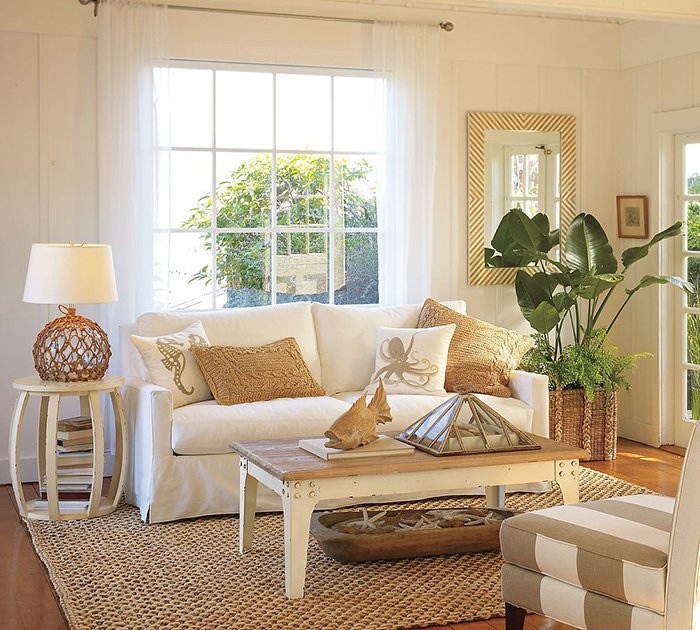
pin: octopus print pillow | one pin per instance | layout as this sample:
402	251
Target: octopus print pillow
412	360
172	365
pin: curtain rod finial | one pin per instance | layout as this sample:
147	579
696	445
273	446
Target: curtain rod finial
95	2
447	26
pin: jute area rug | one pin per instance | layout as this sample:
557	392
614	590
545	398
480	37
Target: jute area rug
117	572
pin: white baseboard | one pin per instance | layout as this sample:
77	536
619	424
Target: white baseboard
637	431
28	469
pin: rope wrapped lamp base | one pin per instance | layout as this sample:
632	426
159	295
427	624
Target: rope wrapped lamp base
71	348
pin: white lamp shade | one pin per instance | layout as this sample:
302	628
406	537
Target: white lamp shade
70	274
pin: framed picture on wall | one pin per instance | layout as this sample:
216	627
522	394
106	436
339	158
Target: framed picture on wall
632	217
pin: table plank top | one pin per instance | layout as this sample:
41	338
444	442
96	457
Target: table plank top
285	460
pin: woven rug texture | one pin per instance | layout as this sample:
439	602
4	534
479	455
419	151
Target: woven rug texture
117	572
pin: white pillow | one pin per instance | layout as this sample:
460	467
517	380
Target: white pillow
412	360
172	365
347	340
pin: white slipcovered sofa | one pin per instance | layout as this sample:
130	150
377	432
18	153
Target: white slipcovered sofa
180	464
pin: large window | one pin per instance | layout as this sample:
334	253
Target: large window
273	186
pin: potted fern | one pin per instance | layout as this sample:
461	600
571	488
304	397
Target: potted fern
569	298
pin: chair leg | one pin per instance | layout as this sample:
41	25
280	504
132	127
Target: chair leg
515	617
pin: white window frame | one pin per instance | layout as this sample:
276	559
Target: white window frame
683	424
331	230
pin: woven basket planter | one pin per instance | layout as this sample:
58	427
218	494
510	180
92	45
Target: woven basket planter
578	421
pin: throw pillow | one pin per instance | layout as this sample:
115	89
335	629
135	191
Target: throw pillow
243	375
481	356
171	364
412	360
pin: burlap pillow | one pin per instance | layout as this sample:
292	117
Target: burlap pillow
481	356
242	375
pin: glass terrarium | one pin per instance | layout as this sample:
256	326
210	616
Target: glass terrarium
465	424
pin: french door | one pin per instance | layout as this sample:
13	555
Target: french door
687	197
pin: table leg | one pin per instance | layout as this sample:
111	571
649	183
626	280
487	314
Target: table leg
121	450
50	450
496	496
567	473
298	505
98	451
247	500
13	451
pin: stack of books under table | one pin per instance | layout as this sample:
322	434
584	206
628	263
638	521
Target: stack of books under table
74	462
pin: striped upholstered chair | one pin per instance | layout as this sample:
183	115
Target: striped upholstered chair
629	563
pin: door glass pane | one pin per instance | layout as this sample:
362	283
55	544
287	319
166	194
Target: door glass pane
532	208
533	173
303	189
517	171
242	270
693	395
692	210
355	119
356	271
244	110
244	190
302	267
693	275
693	338
303	112
355	191
692	169
190	189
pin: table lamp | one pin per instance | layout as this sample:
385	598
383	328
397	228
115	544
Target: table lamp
71	347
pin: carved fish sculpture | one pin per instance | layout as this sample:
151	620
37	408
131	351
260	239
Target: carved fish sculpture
358	425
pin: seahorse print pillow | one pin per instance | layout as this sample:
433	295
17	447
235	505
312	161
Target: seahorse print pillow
172	365
412	360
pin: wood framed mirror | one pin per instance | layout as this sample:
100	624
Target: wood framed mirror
526	161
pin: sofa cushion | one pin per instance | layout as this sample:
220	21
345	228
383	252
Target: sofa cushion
407	408
616	547
245	327
208	428
347	340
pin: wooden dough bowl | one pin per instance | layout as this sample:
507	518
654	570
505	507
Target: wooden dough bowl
365	547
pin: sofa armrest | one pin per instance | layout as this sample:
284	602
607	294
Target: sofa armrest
149	410
533	390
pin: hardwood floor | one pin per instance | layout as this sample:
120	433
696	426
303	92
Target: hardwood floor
28	602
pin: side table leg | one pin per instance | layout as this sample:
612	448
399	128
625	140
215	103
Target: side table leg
50	450
567	476
13	450
247	500
41	442
121	449
496	496
98	451
298	508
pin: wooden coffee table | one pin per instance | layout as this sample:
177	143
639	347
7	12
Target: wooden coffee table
302	480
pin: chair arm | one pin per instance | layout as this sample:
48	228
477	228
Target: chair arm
149	410
533	390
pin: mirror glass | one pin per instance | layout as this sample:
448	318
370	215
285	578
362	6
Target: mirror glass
521	171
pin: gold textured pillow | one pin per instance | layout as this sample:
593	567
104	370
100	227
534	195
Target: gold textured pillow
242	375
481	356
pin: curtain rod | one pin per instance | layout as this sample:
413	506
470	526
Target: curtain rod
445	26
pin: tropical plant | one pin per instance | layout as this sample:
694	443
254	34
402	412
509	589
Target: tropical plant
553	292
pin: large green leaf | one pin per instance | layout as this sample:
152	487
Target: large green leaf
633	254
593	285
588	248
545	317
525	231
530	293
649	280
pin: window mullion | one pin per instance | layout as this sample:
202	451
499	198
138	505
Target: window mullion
330	218
273	197
214	244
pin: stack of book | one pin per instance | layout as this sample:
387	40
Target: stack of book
74	463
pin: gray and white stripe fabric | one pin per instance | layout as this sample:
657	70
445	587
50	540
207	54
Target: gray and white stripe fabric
573	605
615	547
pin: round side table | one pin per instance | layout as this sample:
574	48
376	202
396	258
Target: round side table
50	394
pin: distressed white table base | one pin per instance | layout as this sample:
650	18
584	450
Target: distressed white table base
299	498
50	394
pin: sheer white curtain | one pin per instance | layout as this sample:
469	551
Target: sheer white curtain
132	95
406	58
